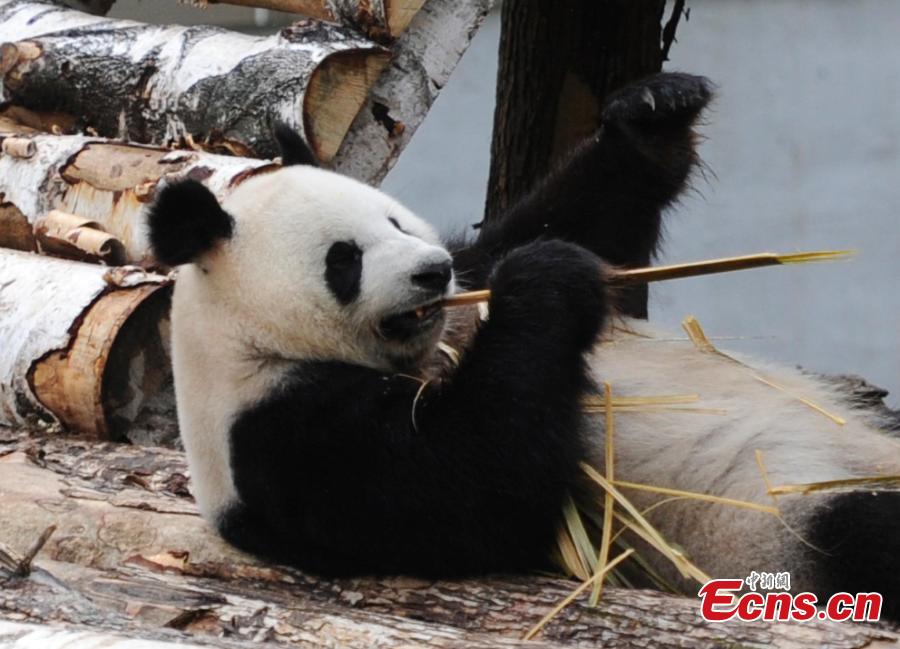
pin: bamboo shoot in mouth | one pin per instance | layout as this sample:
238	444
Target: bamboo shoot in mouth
679	271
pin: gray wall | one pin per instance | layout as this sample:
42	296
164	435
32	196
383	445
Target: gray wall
804	149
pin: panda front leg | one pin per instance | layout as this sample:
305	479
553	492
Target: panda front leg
608	194
350	470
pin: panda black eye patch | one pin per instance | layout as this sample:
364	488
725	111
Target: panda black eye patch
343	270
396	224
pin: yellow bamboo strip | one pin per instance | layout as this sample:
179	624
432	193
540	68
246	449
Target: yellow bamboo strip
650	400
652	536
693	495
868	482
575	593
608	502
698	337
691	269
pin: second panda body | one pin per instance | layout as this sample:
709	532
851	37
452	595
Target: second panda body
335	421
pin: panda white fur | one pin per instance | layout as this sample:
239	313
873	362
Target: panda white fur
327	429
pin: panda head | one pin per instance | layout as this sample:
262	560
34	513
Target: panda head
303	264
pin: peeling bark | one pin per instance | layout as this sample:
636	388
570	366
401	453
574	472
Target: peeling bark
172	84
82	344
130	555
379	19
75	237
102	181
424	56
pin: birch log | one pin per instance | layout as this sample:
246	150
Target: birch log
82	344
171	84
379	19
424	56
102	181
131	555
98	7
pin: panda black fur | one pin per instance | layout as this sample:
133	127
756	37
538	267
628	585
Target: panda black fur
326	429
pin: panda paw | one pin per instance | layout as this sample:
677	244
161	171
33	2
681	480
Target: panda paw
857	535
554	287
668	96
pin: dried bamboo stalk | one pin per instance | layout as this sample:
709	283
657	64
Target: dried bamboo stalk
608	502
698	337
869	482
680	271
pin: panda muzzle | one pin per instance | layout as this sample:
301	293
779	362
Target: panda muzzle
408	324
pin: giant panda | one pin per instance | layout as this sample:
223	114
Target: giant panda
337	419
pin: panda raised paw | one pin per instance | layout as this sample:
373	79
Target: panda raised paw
670	96
553	285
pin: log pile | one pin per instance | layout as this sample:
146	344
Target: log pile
129	555
101	542
97	112
379	19
357	101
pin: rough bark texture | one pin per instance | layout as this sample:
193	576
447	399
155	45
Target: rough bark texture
102	181
380	19
97	7
157	94
81	343
424	57
558	60
173	84
130	555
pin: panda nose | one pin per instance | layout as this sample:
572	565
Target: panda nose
434	277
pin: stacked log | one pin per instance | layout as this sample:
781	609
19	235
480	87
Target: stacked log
175	85
103	181
83	344
82	196
379	19
129	555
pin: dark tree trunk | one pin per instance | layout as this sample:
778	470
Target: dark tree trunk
558	60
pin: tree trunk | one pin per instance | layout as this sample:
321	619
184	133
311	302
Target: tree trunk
558	60
130	555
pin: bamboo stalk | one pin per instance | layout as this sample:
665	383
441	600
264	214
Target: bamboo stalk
608	502
680	271
701	342
869	482
575	593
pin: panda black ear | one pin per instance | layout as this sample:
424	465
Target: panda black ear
185	221
294	150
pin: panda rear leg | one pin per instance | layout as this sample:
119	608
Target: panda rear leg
859	534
